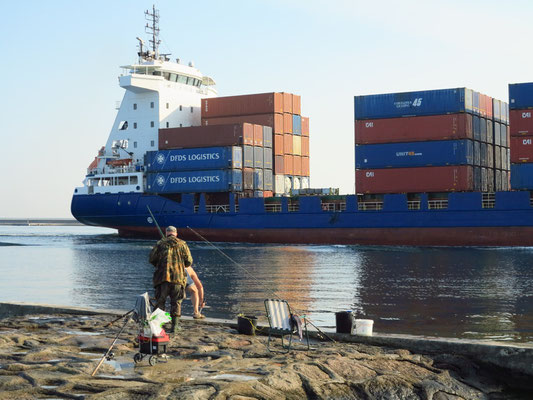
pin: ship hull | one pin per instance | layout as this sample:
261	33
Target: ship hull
463	223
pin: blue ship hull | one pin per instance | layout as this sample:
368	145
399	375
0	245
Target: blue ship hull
465	222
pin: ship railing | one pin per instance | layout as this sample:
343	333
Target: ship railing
294	207
272	208
333	207
370	206
437	204
488	200
214	208
413	205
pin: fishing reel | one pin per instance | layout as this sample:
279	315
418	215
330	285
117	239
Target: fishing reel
110	356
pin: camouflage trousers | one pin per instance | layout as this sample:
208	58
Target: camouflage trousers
176	293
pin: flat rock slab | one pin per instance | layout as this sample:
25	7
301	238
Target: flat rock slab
53	356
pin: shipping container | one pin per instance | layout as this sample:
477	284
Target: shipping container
258	135
505	159
521	122
496	110
267	158
206	136
279	184
522	149
497	157
477	154
258	179
261	103
258	157
278	145
412	129
248	178
483	130
415	154
504	135
218	180
304	182
490	131
268	180
506	176
522	176
296	104
498	180
483	150
297	145
287	144
477	179
415	180
490	180
490	156
476	128
287	123
287	103
193	159
505	113
258	193
428	102
268	193
305	146
306	166
496	133
484	180
248	156
520	97
275	121
296	124
288	164
267	136
475	102
295	183
305	126
297	165
279	165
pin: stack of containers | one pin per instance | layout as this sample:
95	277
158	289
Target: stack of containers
502	143
427	141
206	159
521	132
288	159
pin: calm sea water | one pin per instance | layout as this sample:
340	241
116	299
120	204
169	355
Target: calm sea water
462	292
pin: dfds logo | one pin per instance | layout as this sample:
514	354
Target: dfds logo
526	114
160	158
160	180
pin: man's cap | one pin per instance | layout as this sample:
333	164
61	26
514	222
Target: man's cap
171	229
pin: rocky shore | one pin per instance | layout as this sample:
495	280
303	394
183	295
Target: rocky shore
53	356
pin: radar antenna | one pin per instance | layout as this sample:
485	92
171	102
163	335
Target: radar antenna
153	17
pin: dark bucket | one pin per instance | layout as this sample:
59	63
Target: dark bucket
344	321
246	325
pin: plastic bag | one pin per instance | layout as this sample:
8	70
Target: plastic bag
157	319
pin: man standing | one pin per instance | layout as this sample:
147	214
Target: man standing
170	256
195	289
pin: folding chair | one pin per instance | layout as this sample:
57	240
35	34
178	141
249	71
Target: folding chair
279	317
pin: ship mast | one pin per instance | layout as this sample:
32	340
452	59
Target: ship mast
153	30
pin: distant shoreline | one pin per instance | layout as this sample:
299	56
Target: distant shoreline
40	221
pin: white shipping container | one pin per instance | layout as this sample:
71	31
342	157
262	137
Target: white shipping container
304	182
279	184
295	181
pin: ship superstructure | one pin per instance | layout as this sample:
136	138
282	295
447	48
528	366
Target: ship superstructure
159	93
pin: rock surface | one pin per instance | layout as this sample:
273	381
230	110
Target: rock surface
47	356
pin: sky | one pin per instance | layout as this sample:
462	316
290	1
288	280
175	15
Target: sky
62	60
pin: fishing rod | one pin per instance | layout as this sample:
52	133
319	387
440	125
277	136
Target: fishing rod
155	220
254	278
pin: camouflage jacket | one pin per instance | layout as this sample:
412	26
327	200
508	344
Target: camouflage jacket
170	256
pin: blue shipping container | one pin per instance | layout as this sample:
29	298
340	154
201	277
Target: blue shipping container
520	96
218	180
414	154
522	176
429	102
297	124
194	159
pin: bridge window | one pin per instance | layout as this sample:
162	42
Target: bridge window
134	106
151	104
135	125
168	124
182	79
151	124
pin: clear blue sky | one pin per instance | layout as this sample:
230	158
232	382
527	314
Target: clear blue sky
62	58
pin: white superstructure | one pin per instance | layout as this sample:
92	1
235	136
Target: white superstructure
159	94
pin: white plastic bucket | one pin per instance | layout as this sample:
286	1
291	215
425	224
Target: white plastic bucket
363	327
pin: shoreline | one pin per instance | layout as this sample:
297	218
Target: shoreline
486	367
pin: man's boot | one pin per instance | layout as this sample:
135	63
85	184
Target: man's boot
173	324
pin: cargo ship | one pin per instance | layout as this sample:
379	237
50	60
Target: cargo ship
433	168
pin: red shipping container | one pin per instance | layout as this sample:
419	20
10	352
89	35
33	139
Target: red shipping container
279	165
415	180
297	165
287	123
287	144
268	193
305	126
288	164
206	136
287	103
305	166
305	146
261	103
522	149
521	122
413	129
275	121
489	107
296	104
278	145
258	135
